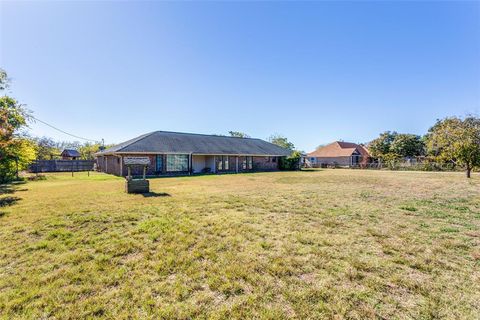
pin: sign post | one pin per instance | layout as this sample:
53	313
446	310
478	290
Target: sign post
137	185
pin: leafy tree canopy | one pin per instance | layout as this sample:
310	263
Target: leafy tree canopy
456	139
15	150
407	145
281	141
390	145
380	146
87	150
13	117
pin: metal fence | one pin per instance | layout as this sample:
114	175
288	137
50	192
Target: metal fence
394	165
61	166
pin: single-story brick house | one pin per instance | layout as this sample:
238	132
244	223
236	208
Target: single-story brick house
176	153
339	153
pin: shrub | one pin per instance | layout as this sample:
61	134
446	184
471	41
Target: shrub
291	162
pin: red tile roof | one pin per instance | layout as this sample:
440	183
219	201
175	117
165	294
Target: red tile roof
339	149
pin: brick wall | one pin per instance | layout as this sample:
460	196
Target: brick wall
265	163
340	161
112	165
138	170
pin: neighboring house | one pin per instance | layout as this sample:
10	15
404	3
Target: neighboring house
339	153
70	154
176	153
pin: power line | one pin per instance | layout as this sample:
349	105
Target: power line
62	131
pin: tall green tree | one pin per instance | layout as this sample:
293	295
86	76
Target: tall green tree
15	157
281	141
392	145
407	145
16	151
380	146
456	139
87	150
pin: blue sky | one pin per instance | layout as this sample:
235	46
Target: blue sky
312	71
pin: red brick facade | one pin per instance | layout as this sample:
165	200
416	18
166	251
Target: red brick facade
113	164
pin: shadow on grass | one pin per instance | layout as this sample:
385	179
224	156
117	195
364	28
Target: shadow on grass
9	188
155	194
8	201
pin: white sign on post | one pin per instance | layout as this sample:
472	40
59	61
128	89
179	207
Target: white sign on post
144	161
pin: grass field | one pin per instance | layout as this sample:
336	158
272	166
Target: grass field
318	244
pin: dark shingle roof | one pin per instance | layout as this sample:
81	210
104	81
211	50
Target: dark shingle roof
70	153
177	142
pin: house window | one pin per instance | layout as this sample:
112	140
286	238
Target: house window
225	163
244	163
220	163
250	163
355	159
274	159
177	162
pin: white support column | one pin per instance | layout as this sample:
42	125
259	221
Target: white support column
236	164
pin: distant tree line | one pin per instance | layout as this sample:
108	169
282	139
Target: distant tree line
452	140
17	148
48	148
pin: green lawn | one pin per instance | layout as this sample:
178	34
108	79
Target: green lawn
319	244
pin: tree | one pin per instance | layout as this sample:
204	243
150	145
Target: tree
457	140
238	134
15	150
281	141
407	145
380	146
88	150
16	156
392	145
46	148
13	116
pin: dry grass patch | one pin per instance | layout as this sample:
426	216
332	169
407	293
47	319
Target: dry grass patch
318	244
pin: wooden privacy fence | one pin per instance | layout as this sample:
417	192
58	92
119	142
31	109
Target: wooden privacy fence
61	165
